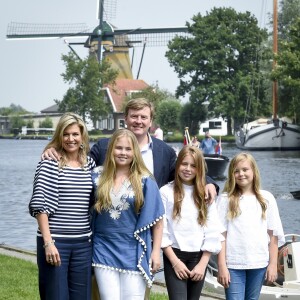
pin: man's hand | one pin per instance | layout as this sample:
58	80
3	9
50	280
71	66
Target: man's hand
210	193
51	153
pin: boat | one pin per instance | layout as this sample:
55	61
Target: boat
287	285
216	163
276	134
296	194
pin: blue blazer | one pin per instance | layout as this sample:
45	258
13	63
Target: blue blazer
164	160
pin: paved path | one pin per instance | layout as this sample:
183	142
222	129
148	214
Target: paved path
31	256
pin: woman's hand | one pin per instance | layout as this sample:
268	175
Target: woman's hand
52	255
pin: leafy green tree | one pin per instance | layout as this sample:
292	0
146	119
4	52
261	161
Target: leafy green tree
190	116
289	12
287	72
46	123
30	123
17	122
167	115
12	110
218	63
86	78
154	94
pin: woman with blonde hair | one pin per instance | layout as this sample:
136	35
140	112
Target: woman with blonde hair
60	202
191	227
253	231
127	221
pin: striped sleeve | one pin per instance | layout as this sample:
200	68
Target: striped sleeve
45	189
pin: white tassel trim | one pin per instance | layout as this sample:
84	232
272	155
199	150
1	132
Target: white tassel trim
148	280
116	269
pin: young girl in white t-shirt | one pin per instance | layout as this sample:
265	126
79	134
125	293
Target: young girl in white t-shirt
253	231
191	227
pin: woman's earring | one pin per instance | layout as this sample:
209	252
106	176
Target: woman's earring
81	146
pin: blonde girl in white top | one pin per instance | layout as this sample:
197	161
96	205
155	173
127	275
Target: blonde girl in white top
253	231
191	227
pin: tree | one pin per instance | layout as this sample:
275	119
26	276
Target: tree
86	77
16	122
167	115
46	123
13	109
287	72
154	94
218	63
190	116
30	123
287	15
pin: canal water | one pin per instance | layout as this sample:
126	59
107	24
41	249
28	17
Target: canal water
280	173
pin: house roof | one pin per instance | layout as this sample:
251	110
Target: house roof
122	89
50	109
116	93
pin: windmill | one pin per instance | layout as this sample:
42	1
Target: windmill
105	41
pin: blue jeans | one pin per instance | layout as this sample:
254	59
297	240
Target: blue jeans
72	279
245	284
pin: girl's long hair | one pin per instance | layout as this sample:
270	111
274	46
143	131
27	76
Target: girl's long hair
233	191
137	170
199	184
66	120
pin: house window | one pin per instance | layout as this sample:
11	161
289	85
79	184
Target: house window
122	123
102	124
110	124
215	125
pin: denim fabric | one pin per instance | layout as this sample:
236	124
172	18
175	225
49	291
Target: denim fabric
71	280
183	289
245	284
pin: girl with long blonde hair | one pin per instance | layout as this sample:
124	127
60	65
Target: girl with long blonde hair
252	228
127	221
191	228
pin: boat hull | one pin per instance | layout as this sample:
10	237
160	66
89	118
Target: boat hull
269	137
216	165
296	194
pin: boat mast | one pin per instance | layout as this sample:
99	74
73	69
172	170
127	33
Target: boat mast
275	49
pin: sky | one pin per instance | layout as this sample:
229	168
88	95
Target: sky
30	70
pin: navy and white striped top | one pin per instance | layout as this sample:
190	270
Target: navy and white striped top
64	194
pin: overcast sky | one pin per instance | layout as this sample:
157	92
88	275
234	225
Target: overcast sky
30	69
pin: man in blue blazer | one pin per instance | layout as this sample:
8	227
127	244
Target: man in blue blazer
159	157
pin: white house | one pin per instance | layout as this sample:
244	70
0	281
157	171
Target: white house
216	126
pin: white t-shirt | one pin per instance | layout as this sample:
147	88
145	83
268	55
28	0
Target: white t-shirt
186	233
247	235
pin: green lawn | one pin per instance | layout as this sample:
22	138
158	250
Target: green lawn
19	280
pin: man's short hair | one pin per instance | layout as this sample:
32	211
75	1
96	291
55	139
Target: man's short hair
138	104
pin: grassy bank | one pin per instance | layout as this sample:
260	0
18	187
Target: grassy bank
19	280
